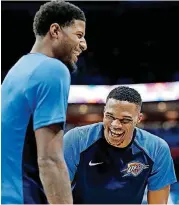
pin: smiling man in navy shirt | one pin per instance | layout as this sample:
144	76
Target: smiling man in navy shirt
113	161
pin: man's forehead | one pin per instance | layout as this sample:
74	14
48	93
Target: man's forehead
118	103
117	106
79	25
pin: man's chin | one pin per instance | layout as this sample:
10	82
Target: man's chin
116	142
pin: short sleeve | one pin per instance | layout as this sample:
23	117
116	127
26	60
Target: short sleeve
47	93
163	172
71	151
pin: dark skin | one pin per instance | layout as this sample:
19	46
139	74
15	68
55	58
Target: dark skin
65	44
120	119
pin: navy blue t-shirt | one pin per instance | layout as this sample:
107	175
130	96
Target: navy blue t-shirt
103	174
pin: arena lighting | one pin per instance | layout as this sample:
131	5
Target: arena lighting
83	109
171	115
162	107
150	92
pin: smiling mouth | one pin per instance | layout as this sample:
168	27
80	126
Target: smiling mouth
76	54
116	134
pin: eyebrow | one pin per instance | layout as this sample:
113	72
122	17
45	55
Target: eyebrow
82	33
79	32
123	116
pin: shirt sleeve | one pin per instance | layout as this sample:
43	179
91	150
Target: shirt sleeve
163	172
47	93
72	151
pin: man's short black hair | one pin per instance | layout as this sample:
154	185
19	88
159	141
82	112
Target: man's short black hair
61	12
125	93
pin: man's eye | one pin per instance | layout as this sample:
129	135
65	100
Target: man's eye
79	35
110	117
125	121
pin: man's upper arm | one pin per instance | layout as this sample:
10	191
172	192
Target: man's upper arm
47	93
163	173
72	151
159	196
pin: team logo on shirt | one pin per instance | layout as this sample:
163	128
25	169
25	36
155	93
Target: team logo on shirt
134	168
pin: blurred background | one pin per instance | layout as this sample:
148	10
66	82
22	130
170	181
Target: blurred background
131	43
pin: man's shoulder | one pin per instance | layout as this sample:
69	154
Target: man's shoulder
145	136
50	65
38	62
149	142
91	128
84	135
42	69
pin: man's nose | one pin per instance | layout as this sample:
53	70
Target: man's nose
116	123
83	45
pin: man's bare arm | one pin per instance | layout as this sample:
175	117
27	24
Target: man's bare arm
52	167
159	196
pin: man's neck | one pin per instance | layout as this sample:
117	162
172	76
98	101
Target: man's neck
42	46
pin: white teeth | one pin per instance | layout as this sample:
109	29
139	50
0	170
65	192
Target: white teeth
77	54
115	133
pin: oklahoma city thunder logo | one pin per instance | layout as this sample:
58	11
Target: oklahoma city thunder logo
134	168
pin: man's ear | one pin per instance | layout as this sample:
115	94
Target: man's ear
104	109
140	117
55	30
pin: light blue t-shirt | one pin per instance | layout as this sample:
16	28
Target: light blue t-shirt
36	86
103	174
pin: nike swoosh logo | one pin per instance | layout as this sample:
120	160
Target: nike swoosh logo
94	164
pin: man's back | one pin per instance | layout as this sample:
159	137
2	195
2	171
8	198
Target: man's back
23	90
